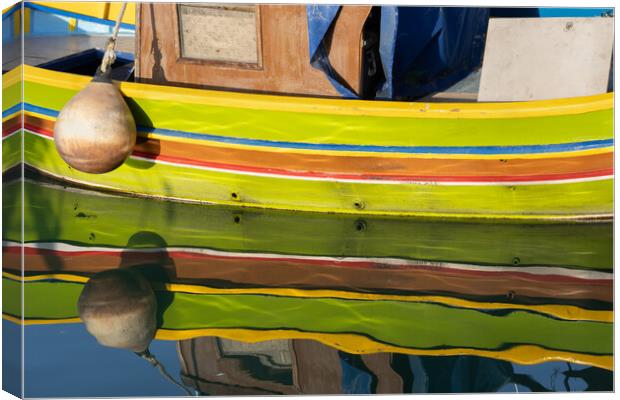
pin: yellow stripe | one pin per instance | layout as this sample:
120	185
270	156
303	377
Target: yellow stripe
39	116
12	77
335	106
358	153
351	343
356	344
130	12
12	319
34	278
8	117
17	24
5	10
566	312
26	20
40	321
102	10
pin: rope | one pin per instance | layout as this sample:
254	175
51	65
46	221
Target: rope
110	56
154	362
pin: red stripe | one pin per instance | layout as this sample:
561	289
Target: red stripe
369	177
38	130
332	263
12	129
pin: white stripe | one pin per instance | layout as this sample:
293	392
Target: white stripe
398	262
11	166
11	134
363	181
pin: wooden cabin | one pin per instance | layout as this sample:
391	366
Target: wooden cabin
257	48
223	367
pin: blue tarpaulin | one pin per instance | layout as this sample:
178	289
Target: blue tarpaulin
428	49
422	49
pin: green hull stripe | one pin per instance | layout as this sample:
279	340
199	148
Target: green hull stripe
406	324
342	129
95	219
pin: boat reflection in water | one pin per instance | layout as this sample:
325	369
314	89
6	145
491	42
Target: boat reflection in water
266	302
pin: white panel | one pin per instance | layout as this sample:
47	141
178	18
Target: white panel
546	58
218	33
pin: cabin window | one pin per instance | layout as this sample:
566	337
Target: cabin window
264	361
225	33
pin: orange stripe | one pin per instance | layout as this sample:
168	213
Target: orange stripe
366	165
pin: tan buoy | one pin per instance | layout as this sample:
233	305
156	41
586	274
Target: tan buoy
95	131
119	309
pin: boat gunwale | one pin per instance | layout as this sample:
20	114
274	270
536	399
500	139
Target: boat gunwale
348	107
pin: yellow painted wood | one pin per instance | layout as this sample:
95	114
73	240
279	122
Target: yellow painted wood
13	77
27	20
335	106
357	344
17	25
38	321
97	9
130	12
6	9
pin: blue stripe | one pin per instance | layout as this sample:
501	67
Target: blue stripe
17	107
40	110
82	17
11	11
526	149
553	12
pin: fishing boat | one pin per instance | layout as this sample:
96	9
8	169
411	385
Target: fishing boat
253	145
404	269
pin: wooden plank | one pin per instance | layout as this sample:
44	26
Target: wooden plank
380	364
546	58
317	367
284	63
345	50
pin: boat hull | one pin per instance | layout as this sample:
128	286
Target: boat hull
538	160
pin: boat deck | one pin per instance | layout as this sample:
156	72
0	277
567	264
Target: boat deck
41	49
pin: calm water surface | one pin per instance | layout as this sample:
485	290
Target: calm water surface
263	302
